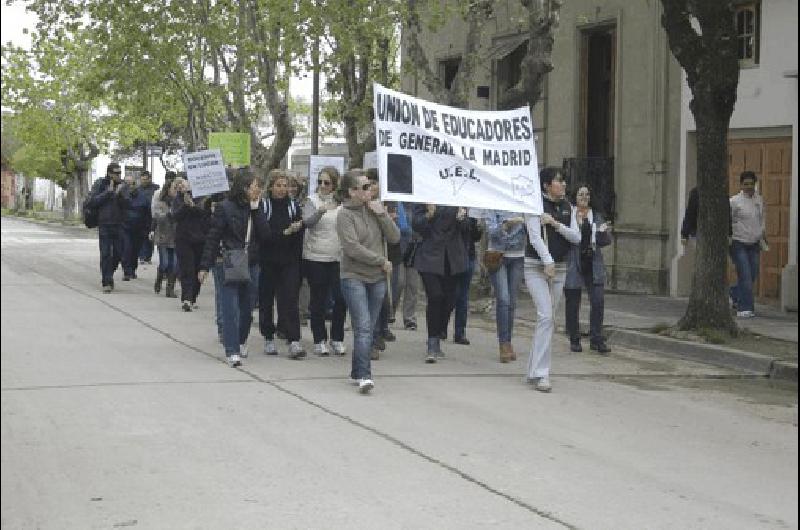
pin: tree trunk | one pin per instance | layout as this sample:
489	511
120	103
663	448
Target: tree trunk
708	301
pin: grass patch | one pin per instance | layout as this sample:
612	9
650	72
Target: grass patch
713	336
661	328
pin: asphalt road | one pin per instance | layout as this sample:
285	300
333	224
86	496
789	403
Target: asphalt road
119	411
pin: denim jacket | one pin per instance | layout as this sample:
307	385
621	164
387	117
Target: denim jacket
505	241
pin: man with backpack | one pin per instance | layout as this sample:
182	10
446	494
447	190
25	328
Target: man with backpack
106	205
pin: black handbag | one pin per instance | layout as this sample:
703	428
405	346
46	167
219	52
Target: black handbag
236	262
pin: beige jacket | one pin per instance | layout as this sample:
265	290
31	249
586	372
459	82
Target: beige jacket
361	234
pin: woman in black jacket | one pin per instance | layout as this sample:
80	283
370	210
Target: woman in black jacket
192	218
280	259
238	223
439	259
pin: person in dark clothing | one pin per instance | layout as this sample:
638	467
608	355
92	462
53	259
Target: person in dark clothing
192	219
439	259
280	260
585	269
463	281
135	228
689	225
238	223
109	196
148	188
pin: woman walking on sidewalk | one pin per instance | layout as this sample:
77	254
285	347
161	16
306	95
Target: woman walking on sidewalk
192	218
504	261
281	253
585	268
550	236
321	254
362	226
238	223
164	235
439	259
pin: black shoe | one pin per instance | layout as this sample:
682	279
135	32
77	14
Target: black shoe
600	347
411	326
126	278
186	306
380	344
388	336
461	340
575	346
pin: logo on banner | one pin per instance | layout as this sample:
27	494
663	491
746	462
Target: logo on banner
523	186
458	176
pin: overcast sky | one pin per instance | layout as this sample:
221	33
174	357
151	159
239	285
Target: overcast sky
14	19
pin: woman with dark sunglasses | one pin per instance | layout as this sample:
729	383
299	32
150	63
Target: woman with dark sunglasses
321	255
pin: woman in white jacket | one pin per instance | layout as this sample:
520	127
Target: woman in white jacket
321	255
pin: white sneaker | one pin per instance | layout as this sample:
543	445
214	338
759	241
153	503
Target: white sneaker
270	348
320	348
365	385
543	385
338	348
745	314
296	351
243	350
234	360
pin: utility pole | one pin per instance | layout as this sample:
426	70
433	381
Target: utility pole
315	99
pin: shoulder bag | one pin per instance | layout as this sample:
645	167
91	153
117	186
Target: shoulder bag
235	261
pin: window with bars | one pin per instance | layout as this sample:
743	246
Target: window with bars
748	32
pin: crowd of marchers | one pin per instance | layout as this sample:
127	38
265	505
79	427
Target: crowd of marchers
294	257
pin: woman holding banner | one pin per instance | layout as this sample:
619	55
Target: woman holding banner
362	225
440	257
321	254
551	236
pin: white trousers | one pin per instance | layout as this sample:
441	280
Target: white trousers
546	296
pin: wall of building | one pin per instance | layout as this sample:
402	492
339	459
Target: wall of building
647	120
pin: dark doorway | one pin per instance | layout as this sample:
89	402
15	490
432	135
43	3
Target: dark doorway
598	58
448	68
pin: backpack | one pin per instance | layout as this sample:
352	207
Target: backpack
90	215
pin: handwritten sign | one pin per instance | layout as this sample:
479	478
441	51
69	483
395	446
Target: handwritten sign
206	172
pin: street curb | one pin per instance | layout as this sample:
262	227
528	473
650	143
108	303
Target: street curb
713	354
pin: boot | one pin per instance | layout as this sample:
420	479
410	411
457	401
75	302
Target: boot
159	281
171	286
505	352
511	352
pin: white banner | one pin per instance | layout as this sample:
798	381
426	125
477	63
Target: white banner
430	153
206	172
315	165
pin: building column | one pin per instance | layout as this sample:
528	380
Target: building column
789	273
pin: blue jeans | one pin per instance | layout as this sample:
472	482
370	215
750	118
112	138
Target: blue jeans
462	299
167	263
216	272
506	281
364	302
111	247
746	259
237	311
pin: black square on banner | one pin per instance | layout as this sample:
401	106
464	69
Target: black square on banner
399	172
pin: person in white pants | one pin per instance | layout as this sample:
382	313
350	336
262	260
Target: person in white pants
550	237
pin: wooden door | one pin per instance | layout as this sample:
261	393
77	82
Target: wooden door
771	160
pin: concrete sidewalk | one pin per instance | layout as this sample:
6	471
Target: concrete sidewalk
630	319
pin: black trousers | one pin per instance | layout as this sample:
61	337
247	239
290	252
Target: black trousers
189	255
596	304
323	281
281	283
134	237
440	289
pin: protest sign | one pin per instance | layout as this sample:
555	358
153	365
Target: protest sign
316	163
205	172
235	147
430	153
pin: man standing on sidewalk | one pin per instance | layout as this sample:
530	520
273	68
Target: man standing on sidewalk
747	224
109	196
